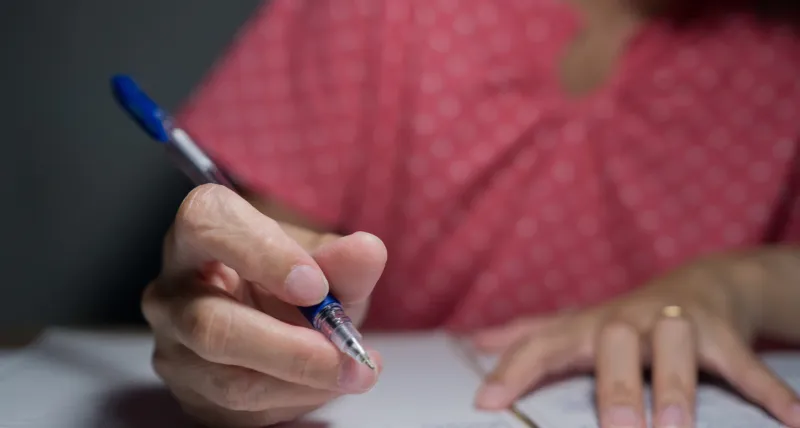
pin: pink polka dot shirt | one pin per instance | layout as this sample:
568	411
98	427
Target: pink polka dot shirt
441	126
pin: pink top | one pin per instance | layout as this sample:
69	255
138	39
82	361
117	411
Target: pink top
440	126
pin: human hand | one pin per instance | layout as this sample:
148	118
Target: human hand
230	342
686	321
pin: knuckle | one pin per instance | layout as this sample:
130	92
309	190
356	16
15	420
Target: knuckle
309	369
617	392
725	352
206	328
524	362
192	216
148	304
616	330
240	393
162	366
152	305
676	385
751	374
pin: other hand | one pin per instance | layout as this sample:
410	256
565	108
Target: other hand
707	324
230	343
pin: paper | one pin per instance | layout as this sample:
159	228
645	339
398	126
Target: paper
570	404
73	379
424	385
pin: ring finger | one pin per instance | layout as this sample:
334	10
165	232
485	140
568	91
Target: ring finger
232	387
674	371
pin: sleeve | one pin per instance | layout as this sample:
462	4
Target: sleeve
791	229
792	235
288	107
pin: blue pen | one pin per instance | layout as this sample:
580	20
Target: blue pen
327	317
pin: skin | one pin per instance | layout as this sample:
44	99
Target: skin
222	296
235	352
726	301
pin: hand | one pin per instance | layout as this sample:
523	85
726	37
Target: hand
230	343
713	330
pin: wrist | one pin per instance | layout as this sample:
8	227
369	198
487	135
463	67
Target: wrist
746	277
732	285
762	288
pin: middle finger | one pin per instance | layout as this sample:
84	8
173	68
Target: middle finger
232	387
224	331
619	377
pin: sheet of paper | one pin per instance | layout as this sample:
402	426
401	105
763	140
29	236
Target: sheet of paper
424	385
72	379
570	403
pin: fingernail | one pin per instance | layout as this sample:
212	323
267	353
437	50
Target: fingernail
622	417
671	417
355	378
492	396
306	284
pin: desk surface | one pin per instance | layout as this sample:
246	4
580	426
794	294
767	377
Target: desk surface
20	337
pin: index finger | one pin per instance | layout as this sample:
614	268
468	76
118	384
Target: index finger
216	224
738	364
222	330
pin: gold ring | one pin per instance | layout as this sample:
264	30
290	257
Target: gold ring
672	311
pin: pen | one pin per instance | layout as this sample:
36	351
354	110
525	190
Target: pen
327	317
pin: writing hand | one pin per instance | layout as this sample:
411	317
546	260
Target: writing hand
230	342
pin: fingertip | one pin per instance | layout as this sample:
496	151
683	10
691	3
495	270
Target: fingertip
793	416
354	264
494	396
369	238
376	245
357	378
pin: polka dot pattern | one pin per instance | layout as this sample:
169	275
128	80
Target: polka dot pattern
439	126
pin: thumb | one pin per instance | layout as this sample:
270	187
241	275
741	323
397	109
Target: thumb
352	264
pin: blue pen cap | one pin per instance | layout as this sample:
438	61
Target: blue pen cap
140	107
310	312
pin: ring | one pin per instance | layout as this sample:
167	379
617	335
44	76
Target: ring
672	311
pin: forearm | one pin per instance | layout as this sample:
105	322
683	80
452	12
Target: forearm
769	281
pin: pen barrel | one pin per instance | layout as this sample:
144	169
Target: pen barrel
334	323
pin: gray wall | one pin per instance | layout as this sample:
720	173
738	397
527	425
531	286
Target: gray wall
86	197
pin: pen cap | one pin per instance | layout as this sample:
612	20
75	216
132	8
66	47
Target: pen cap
140	107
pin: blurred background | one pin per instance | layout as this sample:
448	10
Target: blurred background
86	196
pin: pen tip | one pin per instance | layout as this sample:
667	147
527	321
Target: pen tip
369	363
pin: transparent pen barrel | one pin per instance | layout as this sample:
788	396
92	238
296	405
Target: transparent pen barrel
338	328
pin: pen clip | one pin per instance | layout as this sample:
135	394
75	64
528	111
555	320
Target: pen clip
140	107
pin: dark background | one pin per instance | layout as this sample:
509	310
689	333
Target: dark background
86	197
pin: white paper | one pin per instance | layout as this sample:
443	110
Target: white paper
570	403
72	379
424	385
